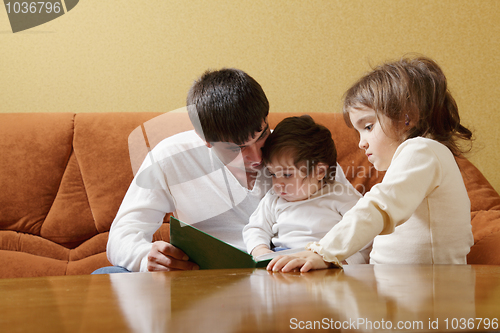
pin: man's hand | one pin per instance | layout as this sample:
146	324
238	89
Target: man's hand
304	261
166	257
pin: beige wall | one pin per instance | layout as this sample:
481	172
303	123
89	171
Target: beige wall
135	55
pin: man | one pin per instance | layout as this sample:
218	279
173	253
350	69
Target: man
211	177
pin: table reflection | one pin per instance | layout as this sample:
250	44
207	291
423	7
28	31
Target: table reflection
250	301
144	300
411	297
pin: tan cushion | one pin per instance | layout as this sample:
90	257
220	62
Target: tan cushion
35	149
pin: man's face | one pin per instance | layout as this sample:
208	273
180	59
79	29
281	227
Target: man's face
247	155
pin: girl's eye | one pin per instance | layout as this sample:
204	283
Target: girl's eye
287	175
369	127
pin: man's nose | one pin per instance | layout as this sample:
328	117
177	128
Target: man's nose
252	153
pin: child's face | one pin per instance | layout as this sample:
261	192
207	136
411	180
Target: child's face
379	146
293	183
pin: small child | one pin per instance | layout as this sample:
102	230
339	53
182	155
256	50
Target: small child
305	201
408	124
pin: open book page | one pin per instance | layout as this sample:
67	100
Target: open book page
278	253
207	251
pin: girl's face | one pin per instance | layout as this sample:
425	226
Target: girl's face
293	183
379	146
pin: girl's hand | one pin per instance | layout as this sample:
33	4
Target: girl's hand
306	261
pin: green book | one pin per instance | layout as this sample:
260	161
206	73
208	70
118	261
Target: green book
212	253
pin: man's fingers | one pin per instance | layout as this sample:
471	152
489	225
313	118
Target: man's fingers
166	263
169	250
165	257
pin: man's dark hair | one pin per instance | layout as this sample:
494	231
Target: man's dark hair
230	105
303	140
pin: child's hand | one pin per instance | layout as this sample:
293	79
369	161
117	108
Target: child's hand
260	250
306	261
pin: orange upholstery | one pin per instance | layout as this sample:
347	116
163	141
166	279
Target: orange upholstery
63	177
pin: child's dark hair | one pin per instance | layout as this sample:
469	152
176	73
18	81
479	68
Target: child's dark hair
414	94
230	104
303	140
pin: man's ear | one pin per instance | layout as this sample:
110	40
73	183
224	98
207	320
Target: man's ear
320	171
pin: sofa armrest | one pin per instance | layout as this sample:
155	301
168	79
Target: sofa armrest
481	194
486	231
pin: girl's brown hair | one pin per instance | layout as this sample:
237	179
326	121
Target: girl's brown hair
413	94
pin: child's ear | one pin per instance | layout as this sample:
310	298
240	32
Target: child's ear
320	171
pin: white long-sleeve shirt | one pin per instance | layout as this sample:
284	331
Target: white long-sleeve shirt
181	176
295	224
421	211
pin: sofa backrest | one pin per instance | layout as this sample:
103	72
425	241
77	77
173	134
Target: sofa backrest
63	176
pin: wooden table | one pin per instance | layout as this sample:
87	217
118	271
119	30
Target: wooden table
361	298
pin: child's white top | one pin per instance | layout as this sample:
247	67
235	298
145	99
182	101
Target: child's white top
295	224
421	211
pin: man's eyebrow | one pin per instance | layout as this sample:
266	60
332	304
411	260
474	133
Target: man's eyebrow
262	134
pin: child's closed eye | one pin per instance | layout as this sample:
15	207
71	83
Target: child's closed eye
283	175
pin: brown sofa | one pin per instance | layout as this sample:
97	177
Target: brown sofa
63	176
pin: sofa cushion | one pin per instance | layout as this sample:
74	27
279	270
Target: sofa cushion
101	149
35	151
485	215
486	231
69	221
481	194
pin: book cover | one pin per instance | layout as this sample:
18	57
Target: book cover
212	253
